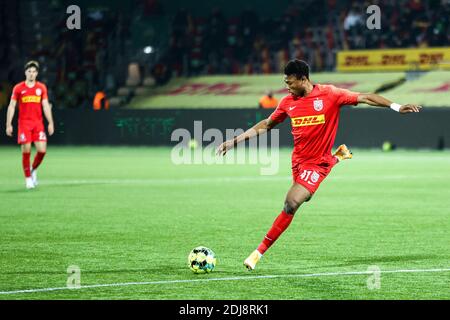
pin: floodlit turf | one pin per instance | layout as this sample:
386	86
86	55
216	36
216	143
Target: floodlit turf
128	215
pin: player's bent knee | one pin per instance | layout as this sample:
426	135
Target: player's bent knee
26	148
291	206
41	147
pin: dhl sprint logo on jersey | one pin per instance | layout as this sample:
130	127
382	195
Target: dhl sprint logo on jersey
31	99
308	120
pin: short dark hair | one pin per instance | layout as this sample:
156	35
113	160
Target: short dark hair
296	67
31	64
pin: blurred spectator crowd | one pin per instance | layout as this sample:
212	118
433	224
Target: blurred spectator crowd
310	30
405	24
76	64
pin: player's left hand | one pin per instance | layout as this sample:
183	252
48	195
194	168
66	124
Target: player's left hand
224	147
51	129
407	108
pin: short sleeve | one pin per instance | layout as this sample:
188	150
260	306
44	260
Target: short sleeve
346	97
279	114
15	93
44	92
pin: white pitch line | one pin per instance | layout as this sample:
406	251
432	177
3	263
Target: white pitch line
125	284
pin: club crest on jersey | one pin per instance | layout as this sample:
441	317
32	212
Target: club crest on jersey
38	92
318	105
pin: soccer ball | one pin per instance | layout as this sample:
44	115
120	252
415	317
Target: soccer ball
202	260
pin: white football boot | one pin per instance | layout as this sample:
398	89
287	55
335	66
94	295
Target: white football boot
29	183
34	177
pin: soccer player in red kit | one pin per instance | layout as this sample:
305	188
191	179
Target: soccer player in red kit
314	112
31	95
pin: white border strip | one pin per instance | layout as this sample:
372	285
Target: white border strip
125	284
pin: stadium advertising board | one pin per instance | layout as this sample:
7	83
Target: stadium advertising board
394	59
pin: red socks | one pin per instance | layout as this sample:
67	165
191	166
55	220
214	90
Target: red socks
26	164
38	159
280	224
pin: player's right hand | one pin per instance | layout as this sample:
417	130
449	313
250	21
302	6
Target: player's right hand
224	147
9	130
51	129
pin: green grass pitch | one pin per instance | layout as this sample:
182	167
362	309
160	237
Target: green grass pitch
128	217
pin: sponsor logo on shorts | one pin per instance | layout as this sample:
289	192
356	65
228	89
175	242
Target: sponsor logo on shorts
308	120
31	99
315	177
310	176
22	137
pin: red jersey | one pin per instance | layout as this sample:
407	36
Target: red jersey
30	100
314	121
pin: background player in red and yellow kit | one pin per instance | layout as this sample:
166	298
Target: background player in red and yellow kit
314	112
31	96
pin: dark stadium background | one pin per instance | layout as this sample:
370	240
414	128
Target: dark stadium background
112	203
128	48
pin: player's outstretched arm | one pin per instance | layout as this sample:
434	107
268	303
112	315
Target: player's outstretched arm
260	128
379	101
10	116
48	115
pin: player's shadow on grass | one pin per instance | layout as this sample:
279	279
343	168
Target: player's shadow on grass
164	270
53	186
21	190
74	184
383	259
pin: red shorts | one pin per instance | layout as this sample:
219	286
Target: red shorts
31	131
311	175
